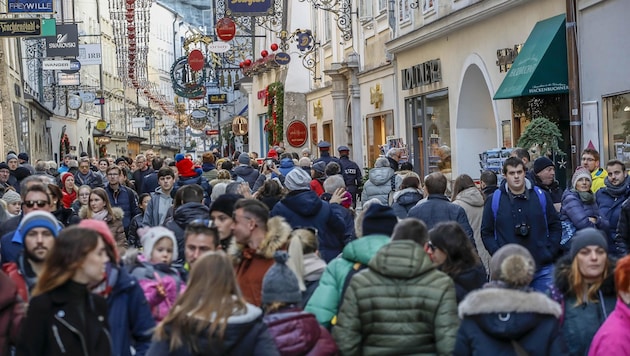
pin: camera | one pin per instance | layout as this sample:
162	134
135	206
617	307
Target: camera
521	230
269	163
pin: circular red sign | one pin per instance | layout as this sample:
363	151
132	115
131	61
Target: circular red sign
297	133
226	29
195	60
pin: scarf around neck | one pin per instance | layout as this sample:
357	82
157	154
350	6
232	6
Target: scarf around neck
618	190
101	215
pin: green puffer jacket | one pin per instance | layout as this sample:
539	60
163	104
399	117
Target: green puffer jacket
402	305
325	300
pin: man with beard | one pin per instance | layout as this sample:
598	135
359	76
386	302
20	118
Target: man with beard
543	175
37	232
610	198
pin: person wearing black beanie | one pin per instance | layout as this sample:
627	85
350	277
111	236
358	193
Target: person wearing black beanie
221	212
543	175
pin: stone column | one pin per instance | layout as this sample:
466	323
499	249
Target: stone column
339	95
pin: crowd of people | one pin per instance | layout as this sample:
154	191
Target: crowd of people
289	254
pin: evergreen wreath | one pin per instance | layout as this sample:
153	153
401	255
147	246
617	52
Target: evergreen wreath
275	113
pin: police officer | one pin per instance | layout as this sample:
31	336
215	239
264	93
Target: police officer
350	171
324	153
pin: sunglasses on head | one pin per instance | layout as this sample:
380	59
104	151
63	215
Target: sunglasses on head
202	222
31	203
431	246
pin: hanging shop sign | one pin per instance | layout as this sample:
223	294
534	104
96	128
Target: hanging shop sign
20	27
49	64
101	125
422	74
217	99
282	58
103	140
90	54
187	85
196	60
74	67
297	133
219	47
239	126
65	44
226	29
30	6
249	7
64	79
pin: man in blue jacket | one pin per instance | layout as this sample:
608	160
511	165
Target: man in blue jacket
121	196
610	198
437	208
524	215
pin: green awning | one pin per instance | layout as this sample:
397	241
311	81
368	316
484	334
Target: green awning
541	66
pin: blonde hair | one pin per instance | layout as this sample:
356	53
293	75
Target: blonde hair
585	293
302	242
197	310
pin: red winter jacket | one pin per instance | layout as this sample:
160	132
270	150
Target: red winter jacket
13	271
11	313
297	332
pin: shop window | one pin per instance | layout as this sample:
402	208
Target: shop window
506	132
617	117
378	128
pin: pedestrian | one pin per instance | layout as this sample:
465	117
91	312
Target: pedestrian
136	222
305	262
212	317
294	331
11	314
382	182
99	208
64	317
585	282
68	189
407	196
506	317
14	203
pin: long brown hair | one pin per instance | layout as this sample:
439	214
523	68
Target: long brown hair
101	193
579	285
197	309
67	255
461	183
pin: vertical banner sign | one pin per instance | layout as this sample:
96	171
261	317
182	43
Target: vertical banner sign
30	6
65	44
249	7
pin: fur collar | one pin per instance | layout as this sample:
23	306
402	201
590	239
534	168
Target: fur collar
561	278
118	213
500	300
278	231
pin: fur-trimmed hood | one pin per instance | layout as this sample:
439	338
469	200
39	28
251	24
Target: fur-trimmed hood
278	231
508	313
118	213
561	278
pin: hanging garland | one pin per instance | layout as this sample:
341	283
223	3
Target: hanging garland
64	146
275	113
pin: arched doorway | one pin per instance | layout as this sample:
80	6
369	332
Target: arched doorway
476	122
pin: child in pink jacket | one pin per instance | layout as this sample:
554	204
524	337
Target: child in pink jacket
161	283
613	337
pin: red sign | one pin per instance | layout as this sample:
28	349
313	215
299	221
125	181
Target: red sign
212	132
297	133
195	60
226	29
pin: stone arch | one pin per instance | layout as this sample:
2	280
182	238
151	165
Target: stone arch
477	118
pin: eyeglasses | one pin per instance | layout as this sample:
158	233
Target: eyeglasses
113	174
431	246
588	159
31	203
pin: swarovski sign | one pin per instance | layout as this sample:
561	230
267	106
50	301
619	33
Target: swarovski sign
65	44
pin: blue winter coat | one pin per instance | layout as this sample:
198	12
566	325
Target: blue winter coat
404	200
304	208
130	320
200	181
543	241
578	212
247	173
286	166
610	208
437	208
127	201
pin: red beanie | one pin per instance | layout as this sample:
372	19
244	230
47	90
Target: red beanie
102	228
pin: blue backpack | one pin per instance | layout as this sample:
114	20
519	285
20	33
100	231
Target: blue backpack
496	196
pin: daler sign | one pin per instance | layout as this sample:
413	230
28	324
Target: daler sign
249	7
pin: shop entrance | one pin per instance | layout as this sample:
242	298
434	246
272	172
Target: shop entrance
476	124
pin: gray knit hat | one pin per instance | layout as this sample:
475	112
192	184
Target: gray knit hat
11	156
280	283
514	265
297	179
10	196
587	237
243	158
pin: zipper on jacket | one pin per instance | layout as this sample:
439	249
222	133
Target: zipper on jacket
74	330
58	338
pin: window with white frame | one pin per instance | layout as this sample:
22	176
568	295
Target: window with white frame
365	9
382	5
327	27
404	11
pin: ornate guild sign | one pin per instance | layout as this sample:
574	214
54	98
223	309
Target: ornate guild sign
186	84
239	126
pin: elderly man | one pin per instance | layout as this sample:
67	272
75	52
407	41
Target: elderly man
543	175
393	156
85	176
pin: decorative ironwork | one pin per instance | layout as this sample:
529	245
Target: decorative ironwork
342	9
307	45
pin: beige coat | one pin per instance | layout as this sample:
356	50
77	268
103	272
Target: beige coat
472	201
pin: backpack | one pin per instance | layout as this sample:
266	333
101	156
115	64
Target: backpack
160	288
496	196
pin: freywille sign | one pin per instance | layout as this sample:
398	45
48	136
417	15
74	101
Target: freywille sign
30	6
20	27
65	44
